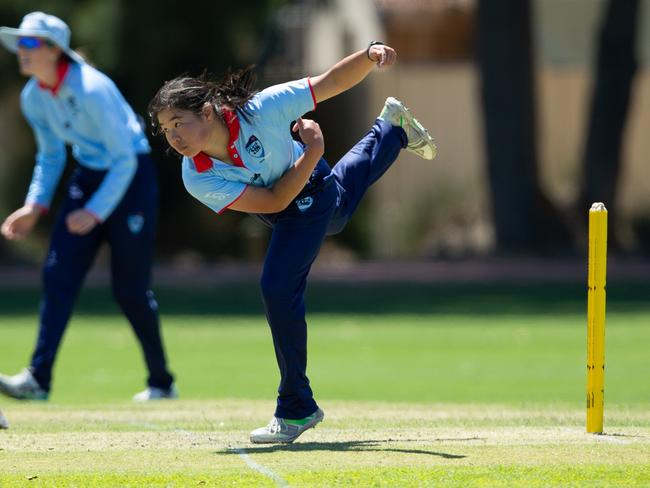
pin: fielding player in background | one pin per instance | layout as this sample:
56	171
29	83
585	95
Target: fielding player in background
4	423
238	154
111	197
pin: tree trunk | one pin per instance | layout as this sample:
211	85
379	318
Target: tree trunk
524	219
616	65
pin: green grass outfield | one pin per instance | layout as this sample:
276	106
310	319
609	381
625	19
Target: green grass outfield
422	385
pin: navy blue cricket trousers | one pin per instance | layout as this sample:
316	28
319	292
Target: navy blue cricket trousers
323	208
130	233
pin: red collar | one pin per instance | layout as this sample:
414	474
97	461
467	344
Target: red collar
61	70
202	161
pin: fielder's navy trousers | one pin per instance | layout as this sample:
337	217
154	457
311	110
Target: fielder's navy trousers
323	208
130	233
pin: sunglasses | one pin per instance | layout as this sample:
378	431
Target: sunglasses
32	42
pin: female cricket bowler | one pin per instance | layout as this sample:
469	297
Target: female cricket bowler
111	197
238	154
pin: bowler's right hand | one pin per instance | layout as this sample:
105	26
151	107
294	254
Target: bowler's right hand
21	222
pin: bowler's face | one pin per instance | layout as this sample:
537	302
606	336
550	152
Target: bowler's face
186	132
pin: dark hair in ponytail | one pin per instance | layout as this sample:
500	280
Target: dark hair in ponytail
189	93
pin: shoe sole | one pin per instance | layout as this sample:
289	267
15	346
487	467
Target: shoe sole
419	128
155	399
309	425
5	390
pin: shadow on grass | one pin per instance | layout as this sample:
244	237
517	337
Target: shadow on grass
481	299
344	446
613	436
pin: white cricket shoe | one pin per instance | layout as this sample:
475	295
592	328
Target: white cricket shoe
4	423
419	140
22	386
152	393
285	430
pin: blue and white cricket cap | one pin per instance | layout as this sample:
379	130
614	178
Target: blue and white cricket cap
39	24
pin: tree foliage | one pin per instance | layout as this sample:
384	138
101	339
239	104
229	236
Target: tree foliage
140	45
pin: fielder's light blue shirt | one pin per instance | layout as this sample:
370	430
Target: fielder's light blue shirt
260	146
87	111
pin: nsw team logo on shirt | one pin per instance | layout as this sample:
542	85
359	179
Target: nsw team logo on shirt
254	147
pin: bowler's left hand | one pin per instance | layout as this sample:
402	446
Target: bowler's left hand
81	222
382	55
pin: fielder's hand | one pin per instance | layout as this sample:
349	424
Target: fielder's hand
81	222
21	222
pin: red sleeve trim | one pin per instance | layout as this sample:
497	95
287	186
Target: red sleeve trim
42	208
227	206
311	89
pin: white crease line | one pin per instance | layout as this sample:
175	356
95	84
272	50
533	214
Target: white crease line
259	468
186	432
241	452
249	461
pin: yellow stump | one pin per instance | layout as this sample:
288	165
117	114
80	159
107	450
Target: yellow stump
596	317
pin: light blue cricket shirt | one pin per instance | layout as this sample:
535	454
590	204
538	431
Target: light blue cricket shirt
261	147
87	111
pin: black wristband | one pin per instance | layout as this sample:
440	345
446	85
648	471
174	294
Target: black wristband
373	43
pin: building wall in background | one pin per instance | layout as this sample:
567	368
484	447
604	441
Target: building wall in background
442	207
566	30
437	207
